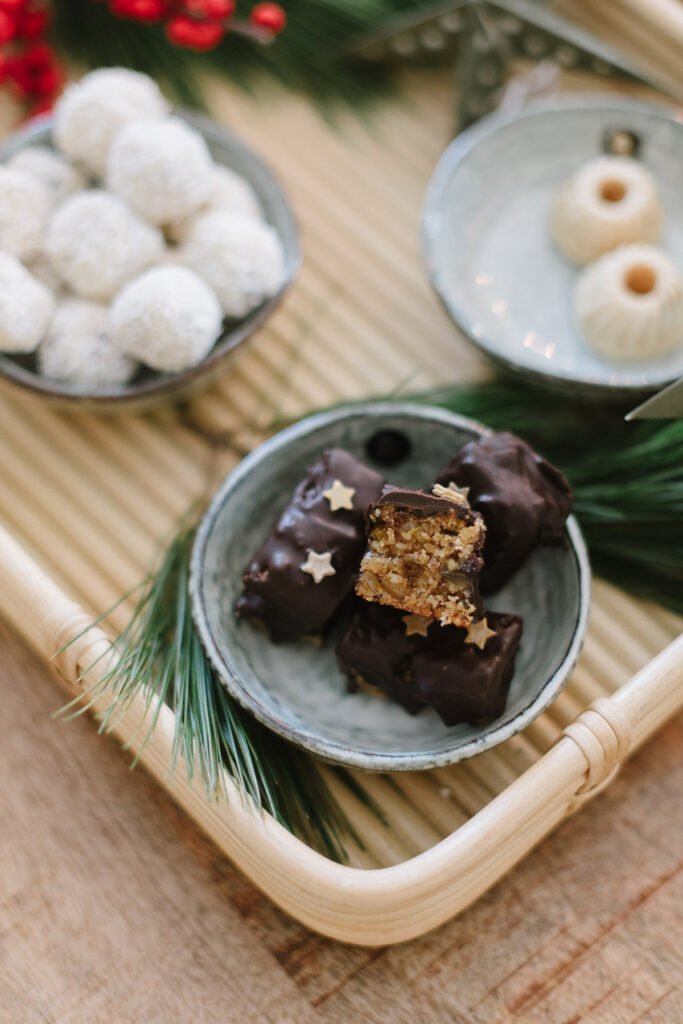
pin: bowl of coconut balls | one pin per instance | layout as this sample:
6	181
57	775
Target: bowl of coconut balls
139	246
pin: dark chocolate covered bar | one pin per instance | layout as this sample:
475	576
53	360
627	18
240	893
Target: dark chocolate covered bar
306	567
463	674
424	554
524	500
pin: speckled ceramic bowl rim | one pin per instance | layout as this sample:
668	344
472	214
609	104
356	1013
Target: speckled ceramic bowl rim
160	387
457	151
338	752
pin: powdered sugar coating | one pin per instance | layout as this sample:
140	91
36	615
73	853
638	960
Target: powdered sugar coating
162	170
78	348
229	192
24	207
26	307
167	318
97	244
59	177
91	113
240	257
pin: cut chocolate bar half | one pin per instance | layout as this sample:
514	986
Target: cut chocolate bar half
306	567
464	677
424	554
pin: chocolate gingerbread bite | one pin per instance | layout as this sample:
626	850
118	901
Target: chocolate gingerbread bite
424	554
298	578
524	500
439	667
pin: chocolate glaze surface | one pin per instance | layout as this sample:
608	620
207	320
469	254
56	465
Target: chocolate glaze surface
461	682
421	504
276	590
524	500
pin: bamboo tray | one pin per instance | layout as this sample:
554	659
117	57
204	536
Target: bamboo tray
86	502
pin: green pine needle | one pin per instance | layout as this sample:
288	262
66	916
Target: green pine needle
309	56
160	656
627	478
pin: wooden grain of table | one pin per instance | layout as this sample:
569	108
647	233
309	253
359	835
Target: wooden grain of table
115	908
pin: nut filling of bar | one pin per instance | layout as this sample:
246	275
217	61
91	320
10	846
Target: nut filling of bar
424	555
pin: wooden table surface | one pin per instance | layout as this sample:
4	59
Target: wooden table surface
113	906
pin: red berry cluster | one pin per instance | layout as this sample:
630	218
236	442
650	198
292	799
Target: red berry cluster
202	24
27	62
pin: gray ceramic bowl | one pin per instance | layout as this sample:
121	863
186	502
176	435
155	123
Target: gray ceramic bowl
297	689
487	243
151	388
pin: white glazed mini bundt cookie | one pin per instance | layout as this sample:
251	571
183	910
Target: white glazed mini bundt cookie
162	170
97	244
609	202
167	318
24	207
79	350
240	257
26	307
92	112
229	192
59	177
630	303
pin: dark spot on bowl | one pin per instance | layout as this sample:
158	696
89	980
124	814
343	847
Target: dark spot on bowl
388	447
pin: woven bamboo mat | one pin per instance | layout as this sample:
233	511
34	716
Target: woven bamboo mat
92	499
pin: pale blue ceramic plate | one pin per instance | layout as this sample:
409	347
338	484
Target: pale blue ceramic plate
297	689
488	249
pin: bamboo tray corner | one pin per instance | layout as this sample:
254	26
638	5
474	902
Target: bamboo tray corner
423	867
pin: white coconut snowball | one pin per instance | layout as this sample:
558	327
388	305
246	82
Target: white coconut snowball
162	170
78	348
26	307
97	244
24	207
91	112
240	257
59	177
230	192
167	318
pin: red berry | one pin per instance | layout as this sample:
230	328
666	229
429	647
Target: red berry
196	35
13	7
8	27
33	24
214	10
270	17
141	10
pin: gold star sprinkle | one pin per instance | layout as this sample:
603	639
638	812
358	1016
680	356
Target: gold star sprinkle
479	634
455	493
416	624
319	565
339	496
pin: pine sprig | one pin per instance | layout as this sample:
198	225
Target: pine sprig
309	56
160	657
627	478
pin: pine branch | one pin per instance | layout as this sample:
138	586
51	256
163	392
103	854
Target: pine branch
309	56
160	655
627	478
